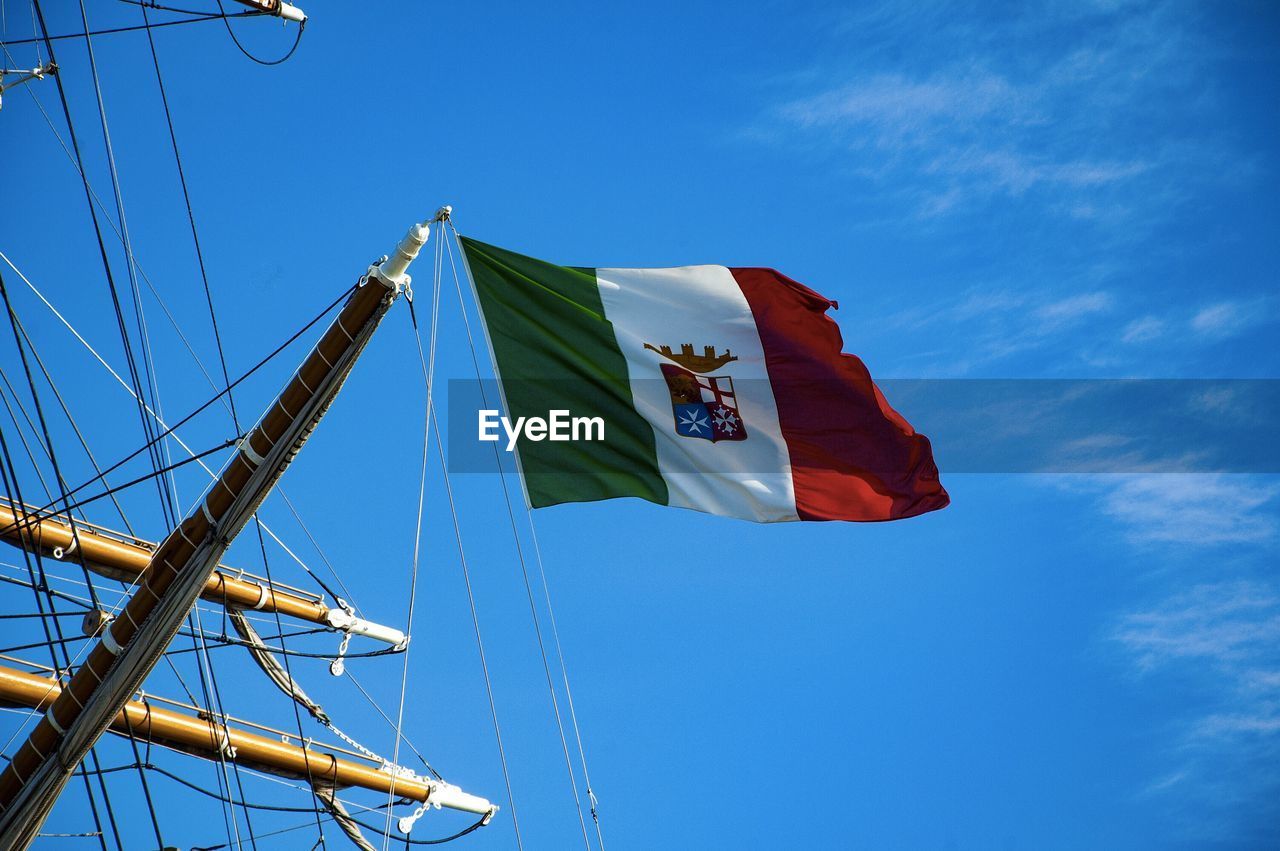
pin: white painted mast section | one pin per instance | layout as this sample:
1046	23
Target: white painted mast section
279	8
341	619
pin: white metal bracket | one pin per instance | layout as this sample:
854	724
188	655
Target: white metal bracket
392	271
346	621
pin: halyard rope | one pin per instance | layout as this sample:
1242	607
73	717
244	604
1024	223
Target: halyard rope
591	798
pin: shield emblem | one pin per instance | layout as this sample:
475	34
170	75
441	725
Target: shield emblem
704	406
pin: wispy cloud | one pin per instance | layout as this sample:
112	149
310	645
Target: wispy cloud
1051	175
1195	509
974	120
1073	308
1220	643
1215	643
1143	330
1095	328
1233	625
1227	318
993	324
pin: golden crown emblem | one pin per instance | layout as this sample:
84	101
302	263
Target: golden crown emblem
708	361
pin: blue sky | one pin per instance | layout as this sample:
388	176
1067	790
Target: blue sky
1060	190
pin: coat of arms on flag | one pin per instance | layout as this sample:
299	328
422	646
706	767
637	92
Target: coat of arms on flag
704	406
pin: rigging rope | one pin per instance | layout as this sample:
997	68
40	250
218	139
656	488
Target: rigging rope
591	798
283	59
163	486
9	476
197	629
48	439
168	430
475	620
196	458
191	217
196	20
432	425
31	456
218	395
66	411
428	375
57	625
196	359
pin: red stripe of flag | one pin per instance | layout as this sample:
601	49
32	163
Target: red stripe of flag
853	457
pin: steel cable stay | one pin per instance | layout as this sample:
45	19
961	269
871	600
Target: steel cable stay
281	676
338	732
154	474
533	609
94	601
113	30
140	391
199	628
475	620
204	667
166	490
428	374
59	480
12	486
219	395
8	476
431	427
124	337
196	458
75	427
204	660
196	358
169	430
591	797
6	392
169	495
146	394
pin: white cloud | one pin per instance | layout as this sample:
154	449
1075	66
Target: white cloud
1143	330
1073	308
1188	509
903	110
967	117
1227	318
1231	625
1220	642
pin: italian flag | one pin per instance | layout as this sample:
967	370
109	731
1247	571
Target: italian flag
720	389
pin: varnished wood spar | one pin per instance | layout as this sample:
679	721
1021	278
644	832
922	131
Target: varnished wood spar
211	740
126	561
180	567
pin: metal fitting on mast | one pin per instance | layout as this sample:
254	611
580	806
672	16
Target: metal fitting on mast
391	271
279	8
343	620
24	75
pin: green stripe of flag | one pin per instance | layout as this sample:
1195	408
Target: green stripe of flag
555	350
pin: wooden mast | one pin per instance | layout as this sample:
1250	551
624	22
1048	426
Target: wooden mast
209	739
125	560
180	567
120	557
